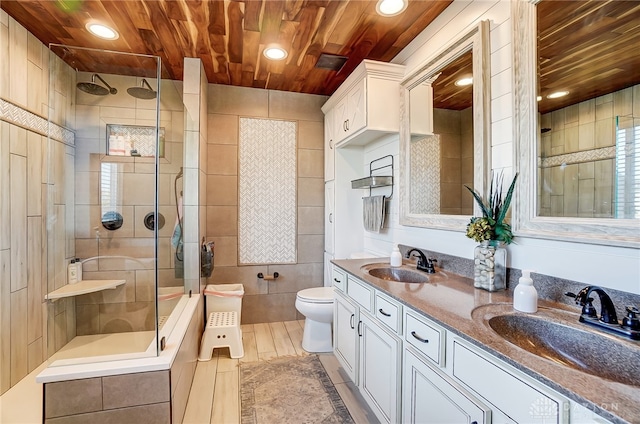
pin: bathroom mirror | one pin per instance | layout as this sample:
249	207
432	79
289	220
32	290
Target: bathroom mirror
444	134
577	153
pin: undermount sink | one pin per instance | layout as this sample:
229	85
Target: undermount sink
585	351
403	274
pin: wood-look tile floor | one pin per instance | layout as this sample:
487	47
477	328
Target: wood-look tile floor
215	392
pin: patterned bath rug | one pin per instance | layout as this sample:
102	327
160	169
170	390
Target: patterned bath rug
290	390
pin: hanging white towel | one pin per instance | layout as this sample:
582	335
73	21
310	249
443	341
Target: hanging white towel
373	213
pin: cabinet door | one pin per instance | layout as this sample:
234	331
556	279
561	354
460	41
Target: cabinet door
340	118
329	199
329	145
357	107
432	397
380	369
345	335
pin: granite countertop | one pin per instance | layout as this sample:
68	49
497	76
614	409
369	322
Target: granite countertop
451	301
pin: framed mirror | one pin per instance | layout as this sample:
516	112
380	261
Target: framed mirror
445	134
577	153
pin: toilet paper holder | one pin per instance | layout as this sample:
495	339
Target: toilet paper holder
268	277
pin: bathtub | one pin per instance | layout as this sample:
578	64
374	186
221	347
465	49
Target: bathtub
125	353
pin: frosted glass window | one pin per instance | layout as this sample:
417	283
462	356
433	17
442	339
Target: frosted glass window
267	191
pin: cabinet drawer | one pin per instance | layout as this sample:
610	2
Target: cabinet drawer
339	279
389	312
360	292
518	399
425	337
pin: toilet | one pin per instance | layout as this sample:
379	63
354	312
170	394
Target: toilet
316	304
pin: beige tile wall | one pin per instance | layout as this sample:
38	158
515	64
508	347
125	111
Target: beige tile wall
130	307
455	129
27	180
582	189
265	301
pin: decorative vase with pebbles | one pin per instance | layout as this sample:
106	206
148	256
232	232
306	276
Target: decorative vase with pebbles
490	266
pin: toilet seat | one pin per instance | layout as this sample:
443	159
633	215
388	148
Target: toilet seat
316	295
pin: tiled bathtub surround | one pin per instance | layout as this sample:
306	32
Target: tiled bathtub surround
265	301
33	175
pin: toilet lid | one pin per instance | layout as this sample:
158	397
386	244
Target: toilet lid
317	294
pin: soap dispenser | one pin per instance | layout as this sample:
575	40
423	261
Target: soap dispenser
525	295
396	257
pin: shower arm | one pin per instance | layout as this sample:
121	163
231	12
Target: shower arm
144	82
103	81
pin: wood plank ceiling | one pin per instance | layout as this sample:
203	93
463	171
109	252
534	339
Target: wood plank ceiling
229	36
588	48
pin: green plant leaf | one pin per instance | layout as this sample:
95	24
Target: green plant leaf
485	211
507	200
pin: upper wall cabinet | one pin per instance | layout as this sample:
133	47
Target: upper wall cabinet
366	106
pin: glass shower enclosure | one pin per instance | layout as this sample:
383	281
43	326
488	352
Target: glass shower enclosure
113	190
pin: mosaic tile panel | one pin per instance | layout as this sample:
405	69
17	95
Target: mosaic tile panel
267	191
425	175
578	157
32	122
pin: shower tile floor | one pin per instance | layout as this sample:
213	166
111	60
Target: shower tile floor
215	392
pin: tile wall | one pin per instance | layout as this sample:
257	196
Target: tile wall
578	158
130	307
455	129
265	301
33	176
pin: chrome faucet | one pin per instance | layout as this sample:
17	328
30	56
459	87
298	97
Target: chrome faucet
608	319
424	264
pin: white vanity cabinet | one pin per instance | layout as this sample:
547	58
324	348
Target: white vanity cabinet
431	397
346	317
412	369
429	394
362	343
366	106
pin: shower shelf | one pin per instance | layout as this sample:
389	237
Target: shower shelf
83	287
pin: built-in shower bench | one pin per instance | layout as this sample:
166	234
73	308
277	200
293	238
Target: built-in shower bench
82	287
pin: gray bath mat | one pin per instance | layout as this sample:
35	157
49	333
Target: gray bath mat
290	390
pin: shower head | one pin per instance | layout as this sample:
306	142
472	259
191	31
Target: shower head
142	92
96	89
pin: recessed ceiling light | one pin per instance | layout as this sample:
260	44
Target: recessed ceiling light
539	98
391	7
102	31
274	52
557	94
462	82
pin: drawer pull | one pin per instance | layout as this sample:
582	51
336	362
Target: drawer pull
384	313
351	321
336	280
413	333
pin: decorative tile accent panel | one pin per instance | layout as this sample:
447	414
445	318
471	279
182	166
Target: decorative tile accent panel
578	157
425	175
267	191
23	118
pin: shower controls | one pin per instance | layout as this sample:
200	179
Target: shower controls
112	220
149	221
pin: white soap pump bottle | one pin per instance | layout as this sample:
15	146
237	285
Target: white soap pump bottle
525	295
396	257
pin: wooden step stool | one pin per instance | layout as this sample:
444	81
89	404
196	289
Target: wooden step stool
222	330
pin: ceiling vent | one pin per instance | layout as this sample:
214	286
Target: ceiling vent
331	62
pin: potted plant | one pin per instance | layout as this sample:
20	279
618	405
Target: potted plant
492	232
